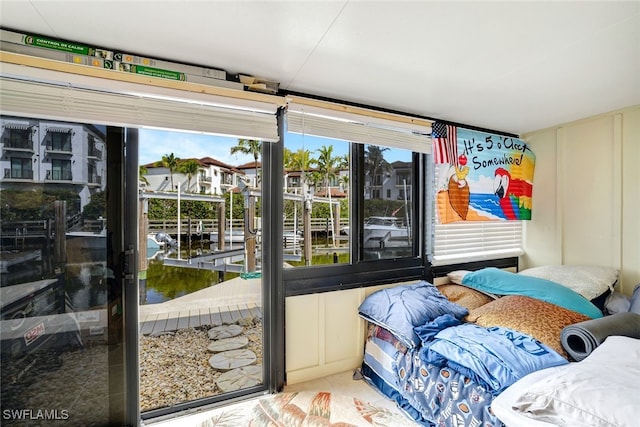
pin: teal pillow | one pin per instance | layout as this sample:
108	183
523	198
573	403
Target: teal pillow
501	282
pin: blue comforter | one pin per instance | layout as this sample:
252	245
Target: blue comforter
494	357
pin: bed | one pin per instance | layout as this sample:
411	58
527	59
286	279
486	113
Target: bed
458	354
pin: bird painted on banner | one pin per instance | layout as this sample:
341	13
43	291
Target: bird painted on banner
512	194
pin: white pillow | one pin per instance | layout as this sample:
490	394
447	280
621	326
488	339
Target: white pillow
590	281
600	390
457	276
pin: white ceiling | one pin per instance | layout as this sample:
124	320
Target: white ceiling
507	66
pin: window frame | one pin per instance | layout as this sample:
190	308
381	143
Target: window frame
360	272
18	139
26	168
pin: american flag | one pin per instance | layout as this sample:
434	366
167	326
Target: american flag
444	140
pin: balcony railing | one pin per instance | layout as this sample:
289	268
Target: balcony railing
18	173
94	153
60	148
22	145
59	176
95	179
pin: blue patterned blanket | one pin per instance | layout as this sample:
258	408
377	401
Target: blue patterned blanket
442	395
452	378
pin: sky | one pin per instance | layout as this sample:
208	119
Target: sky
156	143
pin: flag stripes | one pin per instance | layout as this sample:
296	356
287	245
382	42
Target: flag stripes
444	139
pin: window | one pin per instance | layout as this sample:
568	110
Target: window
92	148
403	176
387	221
374	215
18	138
60	141
94	178
60	170
293	181
20	169
316	210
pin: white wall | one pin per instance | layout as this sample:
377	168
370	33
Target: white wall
324	334
586	198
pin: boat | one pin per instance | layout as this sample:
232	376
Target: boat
154	243
385	232
97	241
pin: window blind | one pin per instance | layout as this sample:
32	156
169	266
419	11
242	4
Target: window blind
358	128
468	241
62	96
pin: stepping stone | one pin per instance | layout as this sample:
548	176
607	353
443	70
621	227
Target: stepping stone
232	359
225	331
240	378
226	344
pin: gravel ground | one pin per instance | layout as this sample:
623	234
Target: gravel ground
174	367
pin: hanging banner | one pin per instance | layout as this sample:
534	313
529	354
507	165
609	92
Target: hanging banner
481	176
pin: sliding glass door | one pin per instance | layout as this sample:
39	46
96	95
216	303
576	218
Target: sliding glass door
113	268
61	294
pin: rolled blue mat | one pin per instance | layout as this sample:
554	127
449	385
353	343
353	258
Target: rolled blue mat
580	339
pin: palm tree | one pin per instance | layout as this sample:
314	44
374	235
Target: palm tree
190	168
287	157
249	146
142	171
375	164
171	162
302	161
327	166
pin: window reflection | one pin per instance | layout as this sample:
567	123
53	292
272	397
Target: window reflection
54	328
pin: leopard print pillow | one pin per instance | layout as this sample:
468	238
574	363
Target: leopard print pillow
539	319
464	296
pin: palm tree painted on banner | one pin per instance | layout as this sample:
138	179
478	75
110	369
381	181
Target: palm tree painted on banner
170	162
252	147
375	165
190	168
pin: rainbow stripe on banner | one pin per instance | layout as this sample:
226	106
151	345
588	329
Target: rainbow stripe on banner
481	176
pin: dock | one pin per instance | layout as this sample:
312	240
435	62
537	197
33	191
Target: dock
224	303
